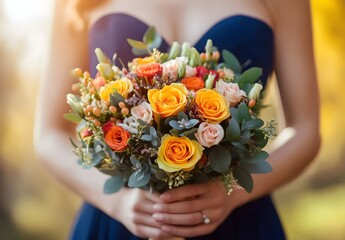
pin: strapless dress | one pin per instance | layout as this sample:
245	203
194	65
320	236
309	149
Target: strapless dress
252	42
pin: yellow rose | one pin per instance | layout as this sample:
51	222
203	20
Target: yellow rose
178	153
123	86
212	106
169	100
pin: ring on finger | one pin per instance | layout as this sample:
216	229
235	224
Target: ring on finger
205	218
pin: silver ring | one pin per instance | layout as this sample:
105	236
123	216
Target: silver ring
205	219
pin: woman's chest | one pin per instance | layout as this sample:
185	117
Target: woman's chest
181	20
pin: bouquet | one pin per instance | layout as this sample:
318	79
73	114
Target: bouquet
170	118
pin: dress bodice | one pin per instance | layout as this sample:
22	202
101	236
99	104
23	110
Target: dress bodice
249	39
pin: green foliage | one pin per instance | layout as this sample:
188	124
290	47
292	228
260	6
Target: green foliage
72	117
220	159
231	61
244	178
249	76
113	184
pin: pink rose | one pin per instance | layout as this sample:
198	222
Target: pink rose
143	111
231	91
209	134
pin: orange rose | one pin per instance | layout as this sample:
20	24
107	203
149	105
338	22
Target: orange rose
212	106
117	138
148	70
169	100
193	83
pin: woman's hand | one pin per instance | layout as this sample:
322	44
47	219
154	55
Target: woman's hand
185	211
134	210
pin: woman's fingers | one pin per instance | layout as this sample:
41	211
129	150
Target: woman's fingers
190	219
184	192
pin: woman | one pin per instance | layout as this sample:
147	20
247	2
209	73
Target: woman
271	34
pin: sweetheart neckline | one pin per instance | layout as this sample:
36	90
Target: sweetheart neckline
239	15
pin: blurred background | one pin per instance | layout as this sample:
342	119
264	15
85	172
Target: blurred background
34	206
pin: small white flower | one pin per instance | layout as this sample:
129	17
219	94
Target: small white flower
255	91
130	124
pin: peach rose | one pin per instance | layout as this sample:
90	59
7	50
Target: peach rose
212	106
148	69
231	92
209	134
178	153
123	86
193	83
117	139
169	100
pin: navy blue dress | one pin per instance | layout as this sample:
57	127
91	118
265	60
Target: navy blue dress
252	41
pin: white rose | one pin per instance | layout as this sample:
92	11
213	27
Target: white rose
255	91
143	111
130	124
209	134
230	91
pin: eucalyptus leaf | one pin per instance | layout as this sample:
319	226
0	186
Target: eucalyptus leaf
146	137
243	113
149	35
139	178
231	61
234	113
181	115
97	158
260	138
257	157
233	131
136	44
116	98
220	159
189	132
250	76
244	178
254	123
245	136
135	162
72	117
258	167
113	184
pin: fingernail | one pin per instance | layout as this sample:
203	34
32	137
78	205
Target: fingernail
157	216
158	207
166	196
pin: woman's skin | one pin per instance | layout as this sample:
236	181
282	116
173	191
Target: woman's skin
178	212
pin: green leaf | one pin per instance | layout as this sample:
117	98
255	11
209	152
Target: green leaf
139	178
116	98
233	131
250	76
136	44
113	184
231	61
257	157
149	35
72	117
220	159
259	138
259	167
254	123
189	132
245	136
234	113
152	38
244	178
243	113
240	146
97	158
